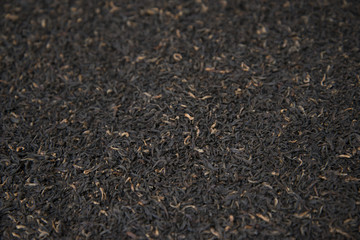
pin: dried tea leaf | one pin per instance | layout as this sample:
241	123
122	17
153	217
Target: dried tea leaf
214	232
11	17
189	117
302	215
266	219
245	67
198	150
177	57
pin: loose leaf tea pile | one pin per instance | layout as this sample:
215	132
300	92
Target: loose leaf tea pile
180	119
